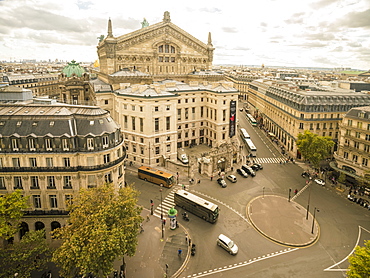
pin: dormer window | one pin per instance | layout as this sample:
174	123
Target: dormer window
90	143
31	144
105	142
65	144
48	144
19	123
15	144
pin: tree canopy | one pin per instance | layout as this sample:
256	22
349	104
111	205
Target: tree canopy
314	147
30	253
360	262
103	225
12	206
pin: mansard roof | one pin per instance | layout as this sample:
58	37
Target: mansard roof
362	112
315	95
168	87
54	120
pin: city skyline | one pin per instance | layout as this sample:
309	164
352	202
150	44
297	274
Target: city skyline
325	33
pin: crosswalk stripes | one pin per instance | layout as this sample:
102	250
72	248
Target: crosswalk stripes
167	203
269	160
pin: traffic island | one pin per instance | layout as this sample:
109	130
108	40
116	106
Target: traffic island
283	222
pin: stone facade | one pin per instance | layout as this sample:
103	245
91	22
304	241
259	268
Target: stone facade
353	155
158	86
52	151
287	109
162	48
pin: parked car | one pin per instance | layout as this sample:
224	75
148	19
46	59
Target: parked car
305	174
320	182
351	197
231	178
249	170
242	173
260	167
227	244
221	182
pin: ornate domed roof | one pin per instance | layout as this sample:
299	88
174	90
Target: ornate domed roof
73	69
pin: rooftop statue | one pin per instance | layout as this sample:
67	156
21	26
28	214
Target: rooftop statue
101	38
145	23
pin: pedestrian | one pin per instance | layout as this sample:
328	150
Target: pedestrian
164	221
296	191
198	180
186	238
179	252
211	177
189	241
147	218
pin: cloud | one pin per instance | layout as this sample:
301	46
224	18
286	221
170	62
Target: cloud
321	36
338	49
210	10
310	45
322	3
33	18
296	18
355	20
354	44
263	24
229	29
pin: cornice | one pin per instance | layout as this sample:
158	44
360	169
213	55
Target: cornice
167	30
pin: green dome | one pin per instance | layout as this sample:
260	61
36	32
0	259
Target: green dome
72	69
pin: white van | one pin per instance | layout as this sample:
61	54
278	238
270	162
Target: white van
227	244
181	155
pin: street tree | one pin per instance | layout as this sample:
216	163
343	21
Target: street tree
12	206
103	225
313	147
31	253
359	262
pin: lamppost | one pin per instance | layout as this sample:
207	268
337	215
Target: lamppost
313	219
263	192
308	203
290	190
162	212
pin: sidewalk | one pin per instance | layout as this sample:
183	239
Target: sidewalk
153	252
282	221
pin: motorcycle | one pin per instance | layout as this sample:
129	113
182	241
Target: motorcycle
185	216
193	249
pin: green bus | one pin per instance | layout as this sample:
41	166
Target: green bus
196	205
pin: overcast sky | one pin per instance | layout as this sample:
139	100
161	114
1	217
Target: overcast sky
302	33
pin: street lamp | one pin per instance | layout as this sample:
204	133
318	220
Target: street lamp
308	203
290	190
263	192
162	212
313	219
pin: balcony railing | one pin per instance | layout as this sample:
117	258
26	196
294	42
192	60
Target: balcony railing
63	169
46	212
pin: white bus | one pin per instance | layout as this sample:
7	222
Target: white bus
251	147
196	205
251	120
244	134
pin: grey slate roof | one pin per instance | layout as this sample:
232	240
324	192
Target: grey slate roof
54	121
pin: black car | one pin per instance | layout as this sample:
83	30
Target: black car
221	182
260	167
249	170
305	174
242	173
